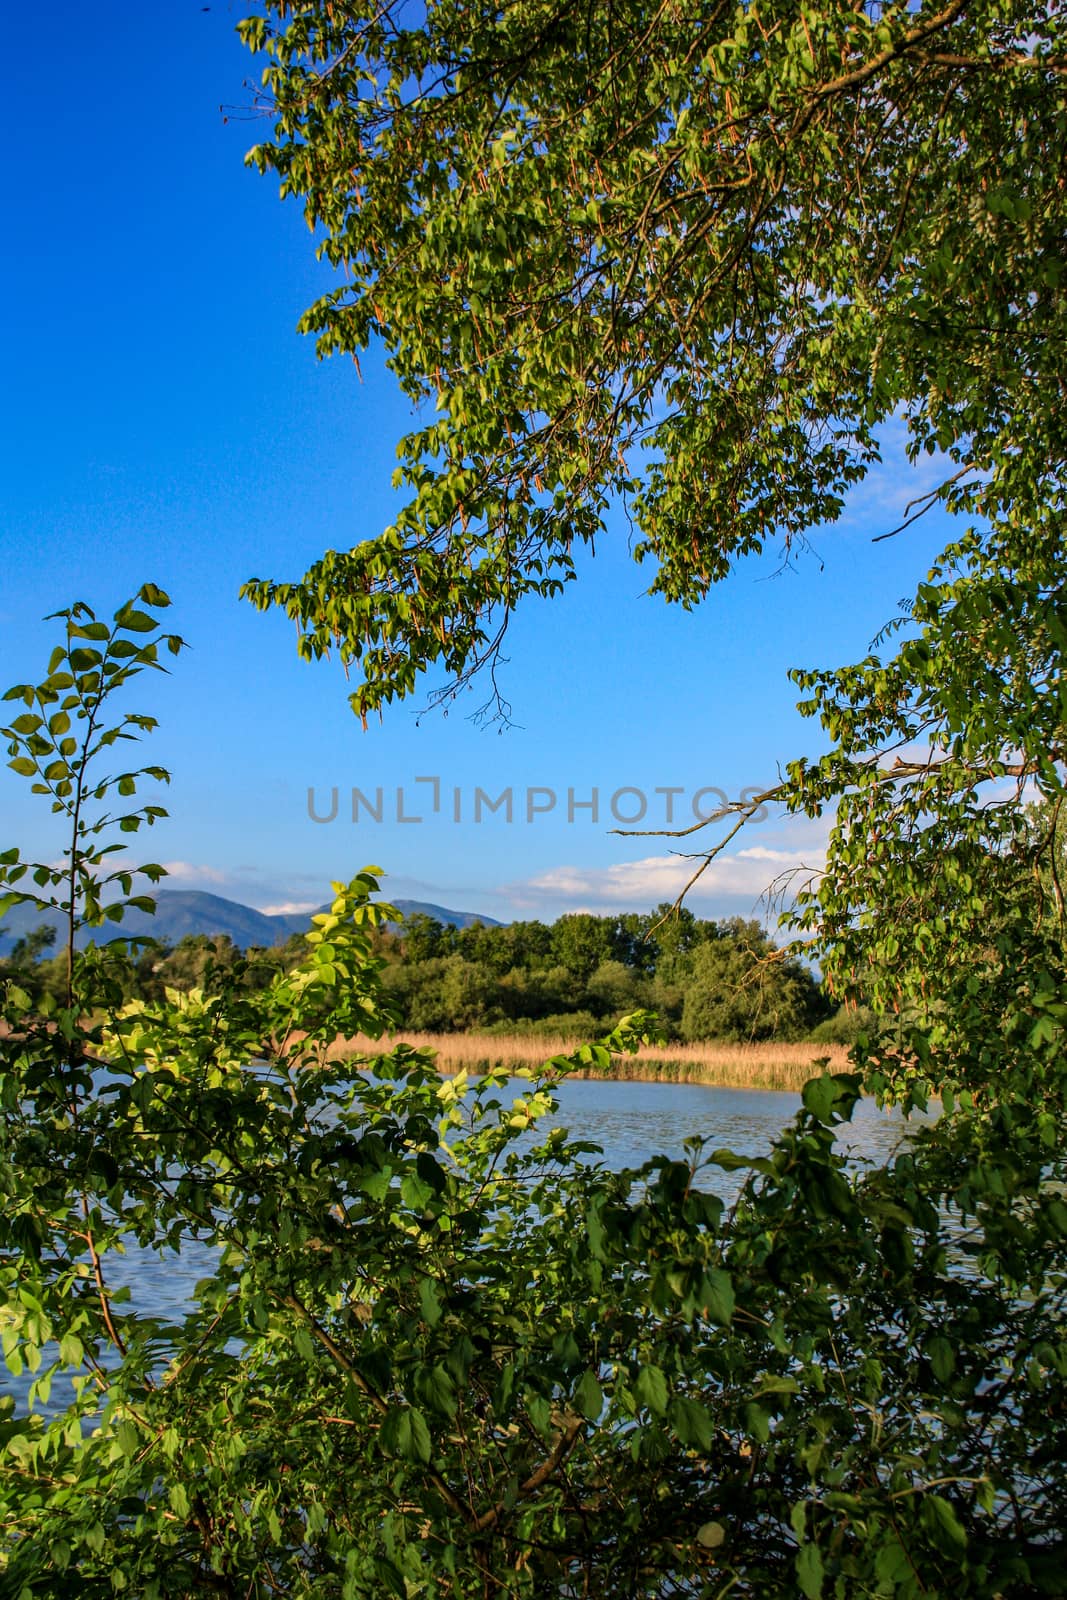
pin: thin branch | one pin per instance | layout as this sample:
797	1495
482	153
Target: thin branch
850	80
924	502
743	809
564	1445
340	1359
98	1276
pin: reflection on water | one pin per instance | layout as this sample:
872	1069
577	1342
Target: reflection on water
633	1121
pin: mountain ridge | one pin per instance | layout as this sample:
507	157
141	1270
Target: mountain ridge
180	912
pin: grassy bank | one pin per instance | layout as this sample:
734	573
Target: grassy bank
735	1066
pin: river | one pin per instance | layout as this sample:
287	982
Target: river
629	1121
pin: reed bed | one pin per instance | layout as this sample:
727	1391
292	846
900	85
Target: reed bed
734	1066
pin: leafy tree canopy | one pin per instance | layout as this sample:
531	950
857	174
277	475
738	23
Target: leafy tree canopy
742	987
689	260
693	263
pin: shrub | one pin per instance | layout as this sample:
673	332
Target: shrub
846	1026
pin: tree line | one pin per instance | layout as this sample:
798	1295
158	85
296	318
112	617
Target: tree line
706	980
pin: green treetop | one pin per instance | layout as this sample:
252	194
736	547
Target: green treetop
690	260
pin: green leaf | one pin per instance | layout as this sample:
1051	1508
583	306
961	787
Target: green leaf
717	1296
942	1357
437	1390
589	1397
943	1525
539	1412
651	1390
128	1438
420	1436
892	1565
757	1421
376	1184
691	1422
821	1097
777	1385
71	1350
405	1434
810	1573
135	621
430	1301
566	1351
396	1432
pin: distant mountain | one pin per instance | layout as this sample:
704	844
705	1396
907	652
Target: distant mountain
184	911
178	912
453	919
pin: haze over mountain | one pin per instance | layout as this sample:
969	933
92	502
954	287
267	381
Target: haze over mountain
189	911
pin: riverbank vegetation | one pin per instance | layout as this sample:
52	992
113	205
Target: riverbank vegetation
723	981
434	1355
736	1066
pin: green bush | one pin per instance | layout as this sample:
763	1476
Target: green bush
846	1026
564	1024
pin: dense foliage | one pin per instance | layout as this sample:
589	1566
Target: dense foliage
705	261
437	1352
744	988
763	243
705	980
437	1349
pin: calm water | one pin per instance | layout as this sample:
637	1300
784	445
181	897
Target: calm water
633	1121
630	1121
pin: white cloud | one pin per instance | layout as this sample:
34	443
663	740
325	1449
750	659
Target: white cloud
761	852
895	481
789	850
291	908
190	872
748	874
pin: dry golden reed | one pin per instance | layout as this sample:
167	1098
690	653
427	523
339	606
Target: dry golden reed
734	1066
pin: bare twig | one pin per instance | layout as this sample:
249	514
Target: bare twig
924	502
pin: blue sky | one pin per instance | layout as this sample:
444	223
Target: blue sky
163	420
